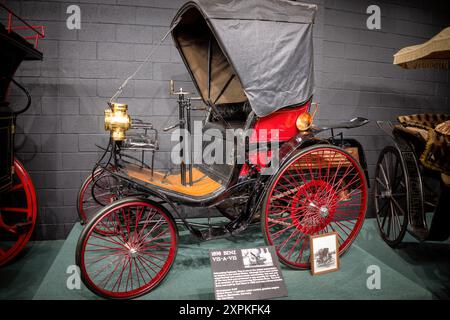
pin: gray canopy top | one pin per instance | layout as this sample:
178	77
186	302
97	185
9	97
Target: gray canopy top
259	51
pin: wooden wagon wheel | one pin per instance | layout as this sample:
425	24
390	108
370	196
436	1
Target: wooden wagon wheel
18	213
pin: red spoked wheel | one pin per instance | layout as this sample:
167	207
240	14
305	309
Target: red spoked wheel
135	256
318	190
97	190
18	213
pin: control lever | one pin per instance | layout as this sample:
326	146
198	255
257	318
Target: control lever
171	127
172	87
180	91
184	108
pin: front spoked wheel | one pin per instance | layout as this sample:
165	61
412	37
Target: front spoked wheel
320	189
136	253
391	196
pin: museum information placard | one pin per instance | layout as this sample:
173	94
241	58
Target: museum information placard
247	274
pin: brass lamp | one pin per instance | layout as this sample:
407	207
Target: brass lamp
117	121
305	120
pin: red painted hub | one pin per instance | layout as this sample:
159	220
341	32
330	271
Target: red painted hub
313	206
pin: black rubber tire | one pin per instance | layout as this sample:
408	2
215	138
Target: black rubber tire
86	181
91	224
393	242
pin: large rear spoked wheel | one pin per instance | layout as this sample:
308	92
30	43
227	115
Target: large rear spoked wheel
318	190
135	255
18	213
391	196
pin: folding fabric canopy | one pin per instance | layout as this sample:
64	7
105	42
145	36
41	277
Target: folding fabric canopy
435	53
259	51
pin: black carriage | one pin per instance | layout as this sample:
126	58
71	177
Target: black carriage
18	207
412	185
252	64
412	177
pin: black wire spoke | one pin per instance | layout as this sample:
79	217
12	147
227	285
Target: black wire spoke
398	206
389	221
385	176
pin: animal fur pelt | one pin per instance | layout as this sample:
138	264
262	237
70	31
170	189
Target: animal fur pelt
436	155
424	120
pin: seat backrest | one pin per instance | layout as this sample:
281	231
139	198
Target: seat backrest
231	112
217	157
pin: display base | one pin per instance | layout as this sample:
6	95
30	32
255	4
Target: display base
22	277
405	273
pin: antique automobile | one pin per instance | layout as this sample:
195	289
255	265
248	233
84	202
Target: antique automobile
252	65
18	208
324	256
254	257
412	177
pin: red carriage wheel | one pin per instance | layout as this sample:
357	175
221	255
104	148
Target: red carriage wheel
18	212
135	256
97	191
319	189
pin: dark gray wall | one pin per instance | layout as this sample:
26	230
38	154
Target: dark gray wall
82	69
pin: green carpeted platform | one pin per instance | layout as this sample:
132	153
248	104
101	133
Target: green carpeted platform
409	273
426	263
21	278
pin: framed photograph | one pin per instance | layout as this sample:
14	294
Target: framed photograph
324	250
256	257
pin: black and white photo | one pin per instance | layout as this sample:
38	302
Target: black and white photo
256	257
324	253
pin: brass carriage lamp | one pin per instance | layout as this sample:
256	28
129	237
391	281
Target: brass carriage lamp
117	121
305	120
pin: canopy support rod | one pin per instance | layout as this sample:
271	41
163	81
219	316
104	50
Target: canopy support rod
224	88
213	105
217	113
147	58
209	66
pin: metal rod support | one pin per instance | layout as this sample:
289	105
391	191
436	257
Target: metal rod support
189	126
181	106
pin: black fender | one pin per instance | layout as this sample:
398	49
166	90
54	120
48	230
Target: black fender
147	193
362	156
300	141
287	149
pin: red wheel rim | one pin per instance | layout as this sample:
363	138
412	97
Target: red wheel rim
18	212
321	190
104	190
136	255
